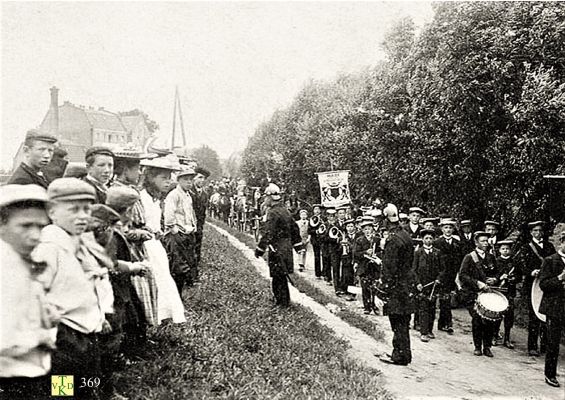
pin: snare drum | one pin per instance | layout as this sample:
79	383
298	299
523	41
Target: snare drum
491	305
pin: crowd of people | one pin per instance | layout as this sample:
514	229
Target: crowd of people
92	259
409	264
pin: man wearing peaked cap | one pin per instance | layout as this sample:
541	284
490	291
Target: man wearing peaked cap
22	217
100	169
38	151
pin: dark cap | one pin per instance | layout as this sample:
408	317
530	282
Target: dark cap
202	171
121	197
105	214
99	150
34	134
69	189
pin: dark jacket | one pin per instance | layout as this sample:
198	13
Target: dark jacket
467	245
531	262
199	204
100	192
365	268
510	267
553	300
315	239
398	276
280	236
452	255
24	175
471	272
427	267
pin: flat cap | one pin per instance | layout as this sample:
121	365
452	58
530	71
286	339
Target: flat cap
479	234
495	223
34	134
105	214
10	194
416	210
68	189
533	224
121	197
185	170
99	150
202	171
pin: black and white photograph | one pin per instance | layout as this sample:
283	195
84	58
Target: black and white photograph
282	200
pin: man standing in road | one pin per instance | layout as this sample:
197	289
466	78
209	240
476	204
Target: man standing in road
38	151
398	282
280	236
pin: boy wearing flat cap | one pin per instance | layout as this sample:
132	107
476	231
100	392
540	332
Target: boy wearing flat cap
534	253
199	203
38	151
509	276
100	169
25	320
76	278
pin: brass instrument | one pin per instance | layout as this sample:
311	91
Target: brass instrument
321	229
315	221
336	234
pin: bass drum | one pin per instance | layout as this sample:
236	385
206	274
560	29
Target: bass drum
537	294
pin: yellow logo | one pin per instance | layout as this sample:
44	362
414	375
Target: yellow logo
62	385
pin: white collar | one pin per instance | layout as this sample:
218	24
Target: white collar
505	257
447	238
538	242
480	252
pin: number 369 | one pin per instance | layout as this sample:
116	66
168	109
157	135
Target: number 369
90	382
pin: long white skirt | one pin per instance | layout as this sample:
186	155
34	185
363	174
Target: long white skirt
169	303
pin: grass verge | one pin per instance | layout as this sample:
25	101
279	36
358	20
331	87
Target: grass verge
236	346
306	287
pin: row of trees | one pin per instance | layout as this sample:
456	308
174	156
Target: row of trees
463	119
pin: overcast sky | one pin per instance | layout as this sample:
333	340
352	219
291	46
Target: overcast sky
235	63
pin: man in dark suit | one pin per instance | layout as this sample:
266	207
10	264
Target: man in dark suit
533	254
466	236
398	286
413	227
552	282
38	151
199	203
280	236
451	253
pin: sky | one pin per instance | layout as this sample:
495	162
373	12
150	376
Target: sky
235	63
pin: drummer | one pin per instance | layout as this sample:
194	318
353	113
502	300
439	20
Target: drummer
473	278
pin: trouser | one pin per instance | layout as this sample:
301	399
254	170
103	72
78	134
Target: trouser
427	313
483	330
317	255
555	328
326	266
77	354
367	293
302	257
181	252
401	352
536	329
20	388
336	273
347	274
280	289
445	319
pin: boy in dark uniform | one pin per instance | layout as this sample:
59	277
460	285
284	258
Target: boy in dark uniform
509	276
38	151
316	239
413	227
331	252
466	236
347	274
366	244
428	269
474	280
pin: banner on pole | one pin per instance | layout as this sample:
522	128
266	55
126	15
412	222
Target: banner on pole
334	188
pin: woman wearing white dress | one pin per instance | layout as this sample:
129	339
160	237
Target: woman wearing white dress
157	179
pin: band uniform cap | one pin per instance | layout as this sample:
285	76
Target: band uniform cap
34	134
120	197
391	212
447	221
344	208
317	205
105	214
202	171
186	171
495	223
368	218
69	189
303	210
330	211
10	194
367	223
425	232
416	210
99	150
507	241
403	215
359	219
465	222
349	221
533	224
169	162
479	234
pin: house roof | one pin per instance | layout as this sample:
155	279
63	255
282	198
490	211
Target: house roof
105	120
130	121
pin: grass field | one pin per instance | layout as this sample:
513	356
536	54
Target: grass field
236	345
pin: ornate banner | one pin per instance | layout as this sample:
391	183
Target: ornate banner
334	188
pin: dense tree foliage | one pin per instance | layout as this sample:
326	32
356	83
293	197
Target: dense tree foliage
464	118
207	157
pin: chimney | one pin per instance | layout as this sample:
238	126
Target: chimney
54	110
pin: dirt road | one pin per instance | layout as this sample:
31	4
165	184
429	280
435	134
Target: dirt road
444	368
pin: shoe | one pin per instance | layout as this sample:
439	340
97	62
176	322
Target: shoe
424	338
478	352
367	312
388	360
431	335
449	330
487	352
552	382
508	345
533	353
